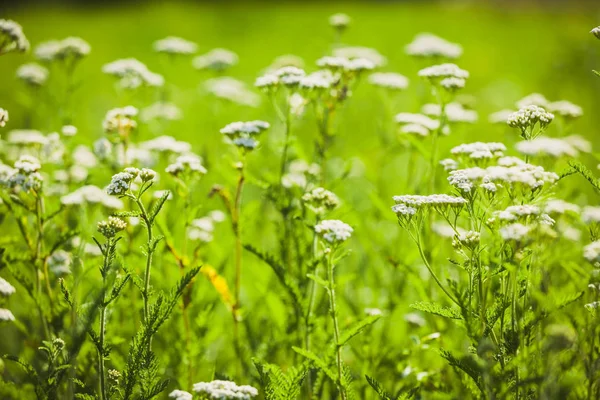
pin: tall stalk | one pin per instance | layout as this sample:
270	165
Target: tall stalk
336	328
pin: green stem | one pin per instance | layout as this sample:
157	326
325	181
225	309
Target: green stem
336	328
311	304
433	275
238	256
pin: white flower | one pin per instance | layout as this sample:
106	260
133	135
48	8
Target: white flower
242	134
161	110
415	129
431	46
528	117
534	99
286	60
69	130
12	38
452	84
565	109
514	232
133	73
590	214
180	395
596	32
93	195
25	174
404	210
6	289
512	213
175	45
333	231
322	79
33	74
418	119
579	143
468	239
221	390
433	200
3	117
449	164
166	144
321	200
339	21
357	52
216	59
591	252
460	180
102	148
68	48
438	72
186	164
84	157
111	227
389	80
297	103
455	112
373	311
478	150
500	117
233	90
545	146
6	315
59	262
120	183
120	120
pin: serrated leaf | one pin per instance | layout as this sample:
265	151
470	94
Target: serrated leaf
357	328
319	363
318	280
436	309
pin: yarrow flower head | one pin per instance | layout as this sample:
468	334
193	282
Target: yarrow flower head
544	146
111	227
516	232
133	73
233	90
333	231
479	150
243	134
427	45
175	45
596	32
6	289
468	239
340	21
3	117
533	99
225	390
436	73
69	49
33	74
12	38
120	121
25	174
289	76
388	80
186	166
360	53
121	182
565	109
591	252
68	130
180	395
59	262
216	59
527	118
321	200
92	195
161	110
408	206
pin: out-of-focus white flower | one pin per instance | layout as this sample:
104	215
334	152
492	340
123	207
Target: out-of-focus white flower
297	104
557	206
455	112
6	315
225	390
479	150
579	143
534	99
333	231
243	134
565	109
59	262
591	252
321	200
233	90
188	165
120	120
428	45
59	50
436	73
453	84
6	289
319	80
216	59
286	60
69	130
500	117
25	174
596	32
93	195
418	119
545	146
339	21
389	80
175	45
166	144
133	73
357	52
449	164
590	214
161	110
3	117
102	148
12	38
84	157
180	395
373	311
33	74
514	232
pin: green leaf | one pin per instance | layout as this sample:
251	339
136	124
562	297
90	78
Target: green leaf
437	309
158	206
319	363
318	280
357	328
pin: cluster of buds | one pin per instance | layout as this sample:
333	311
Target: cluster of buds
120	121
111	227
320	200
243	134
12	38
527	118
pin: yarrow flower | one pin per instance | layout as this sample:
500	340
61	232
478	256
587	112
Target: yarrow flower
590	214
300	174
514	232
242	134
216	59
321	200
565	109
12	38
289	76
175	45
33	74
533	99
6	315
225	390
468	239
59	262
527	118
427	45
557	206
111	227
133	73
388	80
69	130
180	395
3	117
319	80
120	121
166	144
339	21
161	110
500	117
544	146
121	182
596	32
436	73
333	231
479	150
6	289
409	205
25	174
591	252
93	195
71	48
233	90
360	53
454	112
187	166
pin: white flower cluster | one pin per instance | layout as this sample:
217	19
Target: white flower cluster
25	174
180	395
526	118
166	144
591	252
12	38
416	124
33	74
318	80
60	262
300	174
533	99
596	32
337	63
320	200
120	120
436	73
202	228
243	134
225	390
339	21
516	232
455	112
120	183
468	239
161	110
289	76
186	165
68	130
3	117
216	59
558	206
111	227
545	146
453	84
530	176
6	315
388	80
232	90
133	73
408	205
590	214
479	150
500	117
27	137
333	231
565	109
175	45
286	60
427	45
358	52
6	289
71	48
93	195
518	212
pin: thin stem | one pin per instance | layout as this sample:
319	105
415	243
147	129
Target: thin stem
237	208
311	304
287	120
336	328
104	273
